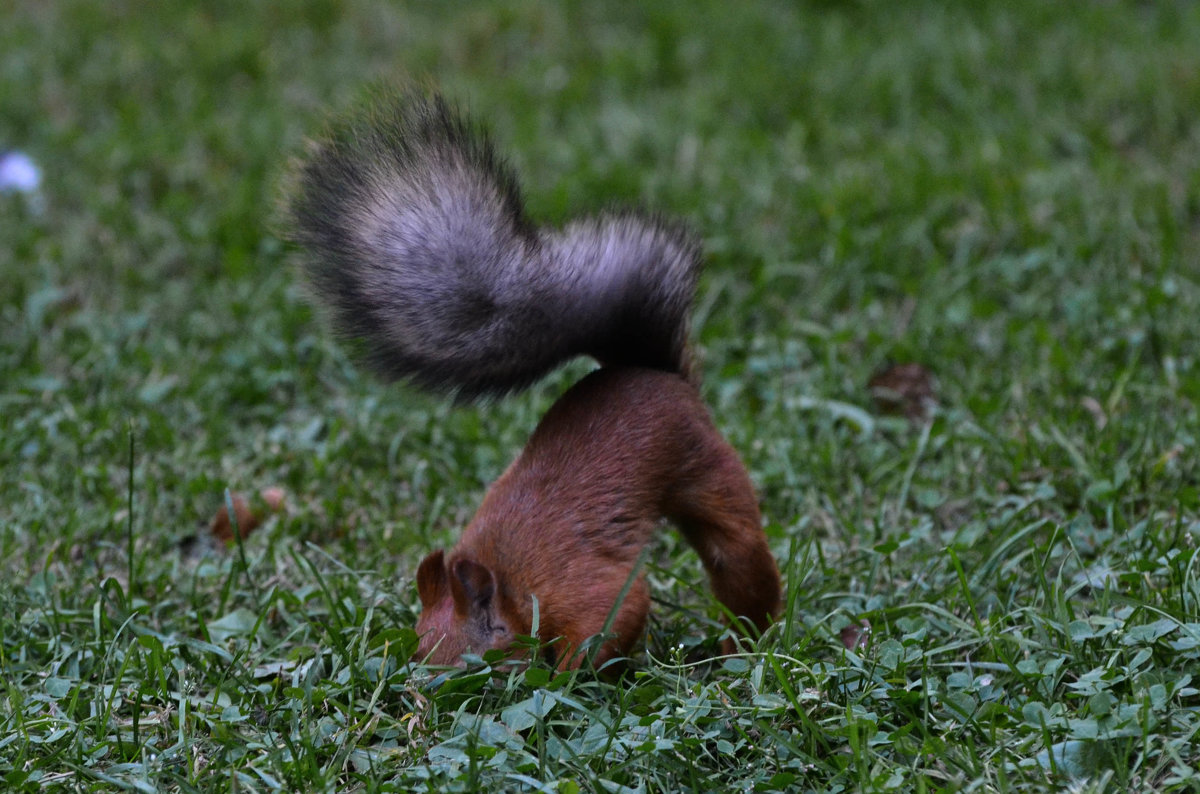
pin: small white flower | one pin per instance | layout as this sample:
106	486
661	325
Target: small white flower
18	172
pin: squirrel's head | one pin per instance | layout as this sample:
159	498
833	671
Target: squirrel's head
460	610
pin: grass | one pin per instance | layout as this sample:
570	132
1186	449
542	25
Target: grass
1007	195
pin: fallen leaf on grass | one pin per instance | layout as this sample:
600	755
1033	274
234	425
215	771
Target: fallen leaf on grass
856	635
905	389
248	515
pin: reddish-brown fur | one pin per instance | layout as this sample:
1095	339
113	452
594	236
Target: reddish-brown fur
620	451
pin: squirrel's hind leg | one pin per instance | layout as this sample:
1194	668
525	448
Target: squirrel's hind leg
716	509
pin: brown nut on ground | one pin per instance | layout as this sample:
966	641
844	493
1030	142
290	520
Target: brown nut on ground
248	514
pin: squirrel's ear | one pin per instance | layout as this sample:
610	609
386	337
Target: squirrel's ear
431	579
473	586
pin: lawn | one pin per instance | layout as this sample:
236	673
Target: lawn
1005	197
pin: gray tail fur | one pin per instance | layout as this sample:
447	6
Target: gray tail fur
416	240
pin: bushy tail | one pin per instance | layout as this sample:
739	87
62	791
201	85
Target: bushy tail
416	239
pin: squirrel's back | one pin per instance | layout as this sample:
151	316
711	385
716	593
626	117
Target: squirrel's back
417	241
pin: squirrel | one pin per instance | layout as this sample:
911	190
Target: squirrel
414	236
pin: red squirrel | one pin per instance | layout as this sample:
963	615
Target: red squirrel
415	238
